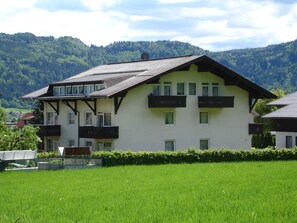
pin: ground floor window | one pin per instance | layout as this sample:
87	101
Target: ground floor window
169	145
104	146
51	145
89	143
289	143
71	142
204	144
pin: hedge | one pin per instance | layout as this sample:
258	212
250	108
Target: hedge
118	158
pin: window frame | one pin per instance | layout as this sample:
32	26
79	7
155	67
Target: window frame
205	89
200	143
86	118
201	122
158	87
215	86
67	90
71	142
182	85
69	118
105	147
195	89
166	119
289	142
171	148
169	86
54	118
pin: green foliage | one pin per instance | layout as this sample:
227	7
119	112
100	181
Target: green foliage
117	158
213	192
28	63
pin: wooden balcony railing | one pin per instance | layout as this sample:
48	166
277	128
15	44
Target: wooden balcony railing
107	132
215	102
167	101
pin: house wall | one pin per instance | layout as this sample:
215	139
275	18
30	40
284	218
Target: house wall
280	139
142	128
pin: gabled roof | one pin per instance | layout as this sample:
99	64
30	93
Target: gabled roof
287	100
121	77
289	111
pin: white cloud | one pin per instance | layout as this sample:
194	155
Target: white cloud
96	5
175	1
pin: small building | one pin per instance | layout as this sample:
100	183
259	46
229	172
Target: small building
284	121
151	105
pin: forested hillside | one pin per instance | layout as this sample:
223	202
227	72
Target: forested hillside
28	62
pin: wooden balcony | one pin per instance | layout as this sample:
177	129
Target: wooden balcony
49	130
167	101
215	102
255	128
284	125
107	132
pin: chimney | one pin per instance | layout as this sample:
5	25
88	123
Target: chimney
145	56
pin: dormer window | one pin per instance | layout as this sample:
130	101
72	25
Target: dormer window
68	90
59	91
99	87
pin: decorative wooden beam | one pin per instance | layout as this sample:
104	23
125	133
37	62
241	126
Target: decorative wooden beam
57	110
117	102
73	108
94	107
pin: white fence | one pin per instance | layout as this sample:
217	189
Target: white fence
18	155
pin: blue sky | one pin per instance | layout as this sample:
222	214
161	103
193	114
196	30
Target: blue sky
212	25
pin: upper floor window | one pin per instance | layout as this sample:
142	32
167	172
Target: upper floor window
192	88
204	118
89	89
74	90
180	89
215	89
169	118
99	87
167	88
88	120
104	119
71	118
68	90
51	118
59	90
156	90
204	89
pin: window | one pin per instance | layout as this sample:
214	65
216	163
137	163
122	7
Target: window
89	89
51	118
56	91
74	90
99	87
204	144
89	143
51	145
62	90
104	119
215	89
88	120
296	141
289	142
169	118
167	88
68	90
180	89
71	118
80	89
169	145
104	146
203	117
71	142
192	88
107	119
156	90
205	89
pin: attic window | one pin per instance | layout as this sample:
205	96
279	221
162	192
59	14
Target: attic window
99	87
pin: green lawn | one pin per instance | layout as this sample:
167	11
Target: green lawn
209	192
17	110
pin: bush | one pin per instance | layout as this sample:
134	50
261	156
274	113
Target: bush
120	158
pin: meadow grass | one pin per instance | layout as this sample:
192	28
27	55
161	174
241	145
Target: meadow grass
17	110
208	192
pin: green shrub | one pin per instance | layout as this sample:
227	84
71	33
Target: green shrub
192	155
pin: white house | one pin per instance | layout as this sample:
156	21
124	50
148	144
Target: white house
151	105
284	121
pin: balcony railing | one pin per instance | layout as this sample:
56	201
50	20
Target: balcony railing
49	130
167	101
107	132
215	102
255	128
284	125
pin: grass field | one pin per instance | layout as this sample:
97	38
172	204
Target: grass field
17	110
209	192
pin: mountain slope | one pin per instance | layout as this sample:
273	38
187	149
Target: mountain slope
28	62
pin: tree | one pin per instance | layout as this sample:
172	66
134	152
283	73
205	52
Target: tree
265	139
15	138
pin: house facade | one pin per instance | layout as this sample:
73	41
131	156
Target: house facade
151	105
284	121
